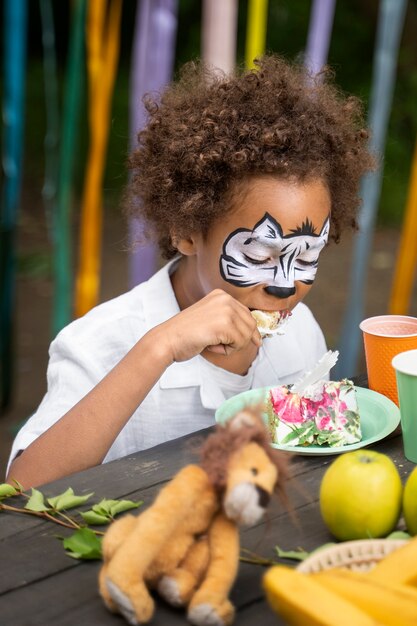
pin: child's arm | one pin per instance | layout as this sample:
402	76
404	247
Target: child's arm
83	436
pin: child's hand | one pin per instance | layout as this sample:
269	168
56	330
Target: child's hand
218	322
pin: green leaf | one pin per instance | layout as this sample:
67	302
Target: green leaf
91	517
104	507
292	435
398	534
124	505
7	490
83	544
68	500
307	435
295	555
36	502
111	508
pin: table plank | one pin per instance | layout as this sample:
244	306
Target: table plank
73	599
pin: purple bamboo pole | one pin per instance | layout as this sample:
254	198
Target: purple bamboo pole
152	66
319	33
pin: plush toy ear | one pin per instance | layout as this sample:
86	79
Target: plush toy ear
243	419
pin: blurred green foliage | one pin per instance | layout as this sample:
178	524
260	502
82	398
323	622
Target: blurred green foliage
350	55
36	264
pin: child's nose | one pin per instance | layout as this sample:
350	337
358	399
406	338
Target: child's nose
280	292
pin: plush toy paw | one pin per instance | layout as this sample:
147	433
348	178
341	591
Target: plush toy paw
136	609
104	592
177	588
208	614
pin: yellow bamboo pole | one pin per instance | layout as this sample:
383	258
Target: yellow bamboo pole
407	253
256	30
102	56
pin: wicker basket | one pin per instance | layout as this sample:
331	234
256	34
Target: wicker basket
359	555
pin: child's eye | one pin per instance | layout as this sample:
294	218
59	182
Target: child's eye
255	261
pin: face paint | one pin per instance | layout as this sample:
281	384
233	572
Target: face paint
265	255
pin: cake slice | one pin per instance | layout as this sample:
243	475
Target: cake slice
271	322
325	414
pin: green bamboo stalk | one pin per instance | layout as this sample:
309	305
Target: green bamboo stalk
62	305
15	27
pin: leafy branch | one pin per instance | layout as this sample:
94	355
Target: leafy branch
247	556
85	542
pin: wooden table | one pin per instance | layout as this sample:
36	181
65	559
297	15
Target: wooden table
40	584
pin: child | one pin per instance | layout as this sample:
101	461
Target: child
242	180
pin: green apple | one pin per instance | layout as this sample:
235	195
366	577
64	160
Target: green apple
361	495
410	502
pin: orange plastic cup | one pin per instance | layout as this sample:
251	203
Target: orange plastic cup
384	337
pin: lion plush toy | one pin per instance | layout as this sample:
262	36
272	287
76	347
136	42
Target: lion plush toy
186	545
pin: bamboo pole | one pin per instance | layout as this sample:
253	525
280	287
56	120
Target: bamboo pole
319	34
152	66
390	26
256	30
62	239
102	57
219	32
15	28
407	252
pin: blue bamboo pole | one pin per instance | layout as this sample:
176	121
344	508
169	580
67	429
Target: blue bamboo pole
15	28
390	26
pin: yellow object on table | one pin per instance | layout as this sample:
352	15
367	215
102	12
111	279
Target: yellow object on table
399	567
389	603
327	588
303	601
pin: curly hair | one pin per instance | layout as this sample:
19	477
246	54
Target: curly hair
209	132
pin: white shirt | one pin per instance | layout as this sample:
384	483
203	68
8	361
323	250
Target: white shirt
186	396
